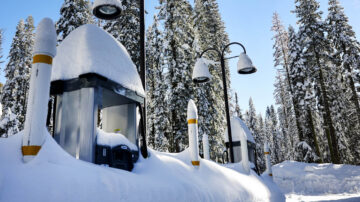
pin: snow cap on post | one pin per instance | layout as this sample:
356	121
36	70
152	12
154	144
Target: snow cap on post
192	110
192	119
45	38
201	72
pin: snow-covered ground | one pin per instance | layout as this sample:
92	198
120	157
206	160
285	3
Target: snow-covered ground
54	175
318	182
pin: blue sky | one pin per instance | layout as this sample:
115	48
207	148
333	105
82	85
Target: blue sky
246	21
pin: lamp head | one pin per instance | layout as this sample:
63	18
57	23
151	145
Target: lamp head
107	9
201	72
244	65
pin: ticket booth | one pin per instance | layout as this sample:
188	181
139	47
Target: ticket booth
97	91
238	128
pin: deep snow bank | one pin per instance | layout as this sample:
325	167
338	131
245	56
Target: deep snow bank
56	176
316	179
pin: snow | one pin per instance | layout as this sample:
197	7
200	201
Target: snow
89	49
238	127
54	175
314	182
45	38
113	139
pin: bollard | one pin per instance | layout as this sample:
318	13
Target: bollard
192	119
206	147
244	151
267	159
37	103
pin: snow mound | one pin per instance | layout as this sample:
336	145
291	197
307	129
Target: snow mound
113	139
89	49
316	179
54	175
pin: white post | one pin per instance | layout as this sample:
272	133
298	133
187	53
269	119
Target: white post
267	159
206	147
37	103
192	119
244	152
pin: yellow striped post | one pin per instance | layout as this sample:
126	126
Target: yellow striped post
42	59
195	163
192	121
31	150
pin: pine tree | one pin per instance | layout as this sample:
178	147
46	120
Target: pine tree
8	124
281	58
210	33
256	126
260	138
17	73
73	14
345	56
237	107
286	116
1	41
272	134
22	76
303	97
126	29
312	37
178	62
7	99
158	123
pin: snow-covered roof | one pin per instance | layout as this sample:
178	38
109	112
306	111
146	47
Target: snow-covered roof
90	49
238	127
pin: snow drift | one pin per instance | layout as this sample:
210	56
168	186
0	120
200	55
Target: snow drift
54	175
317	179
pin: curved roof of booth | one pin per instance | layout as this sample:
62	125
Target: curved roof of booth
238	127
90	49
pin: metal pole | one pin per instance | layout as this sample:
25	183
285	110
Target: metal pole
227	108
226	97
143	72
222	60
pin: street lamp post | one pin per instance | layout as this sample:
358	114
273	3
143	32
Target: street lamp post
201	74
110	10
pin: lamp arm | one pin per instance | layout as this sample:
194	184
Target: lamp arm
233	43
209	49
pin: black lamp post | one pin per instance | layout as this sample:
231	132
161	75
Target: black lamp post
110	10
201	74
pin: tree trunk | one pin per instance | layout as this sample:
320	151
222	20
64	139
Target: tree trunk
313	135
354	96
296	108
329	127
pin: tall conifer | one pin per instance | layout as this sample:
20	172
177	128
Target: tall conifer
178	62
73	14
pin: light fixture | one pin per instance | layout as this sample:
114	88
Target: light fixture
244	65
201	72
107	9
